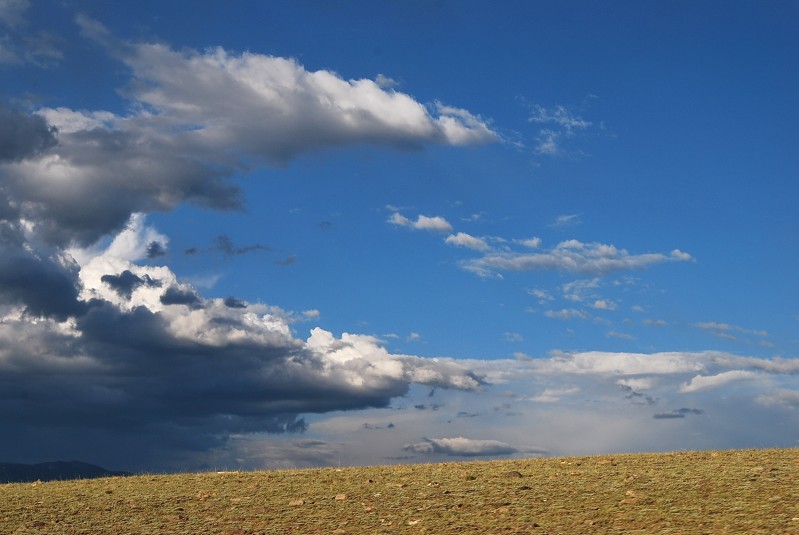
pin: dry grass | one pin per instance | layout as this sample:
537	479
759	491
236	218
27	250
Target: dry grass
753	491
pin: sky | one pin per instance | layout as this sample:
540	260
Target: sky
259	235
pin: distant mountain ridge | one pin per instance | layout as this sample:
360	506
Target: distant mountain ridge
53	471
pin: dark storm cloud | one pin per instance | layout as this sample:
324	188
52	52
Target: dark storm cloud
23	136
232	302
178	296
172	385
124	283
44	286
155	249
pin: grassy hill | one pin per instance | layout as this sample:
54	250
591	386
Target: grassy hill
751	491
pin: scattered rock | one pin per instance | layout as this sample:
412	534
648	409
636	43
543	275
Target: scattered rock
340	497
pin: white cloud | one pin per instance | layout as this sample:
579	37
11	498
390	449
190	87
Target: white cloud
531	243
679	255
542	295
566	314
560	116
623	364
620	335
570	256
460	446
566	220
637	383
722	329
513	337
708	382
553	395
580	290
604	304
12	12
559	124
423	222
198	119
774	365
463	239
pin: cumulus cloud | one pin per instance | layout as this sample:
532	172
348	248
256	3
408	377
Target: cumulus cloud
463	239
198	120
531	243
459	446
571	256
128	354
604	304
116	349
423	222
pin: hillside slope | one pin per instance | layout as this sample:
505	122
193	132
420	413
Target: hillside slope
752	491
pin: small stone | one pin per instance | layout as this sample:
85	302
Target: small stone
340	497
513	473
295	503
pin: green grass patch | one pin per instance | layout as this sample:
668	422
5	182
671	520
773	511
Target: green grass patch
750	491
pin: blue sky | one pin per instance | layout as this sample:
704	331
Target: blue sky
274	234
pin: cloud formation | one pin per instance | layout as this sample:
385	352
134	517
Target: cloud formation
558	124
198	120
23	136
144	355
461	447
423	222
112	349
571	256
